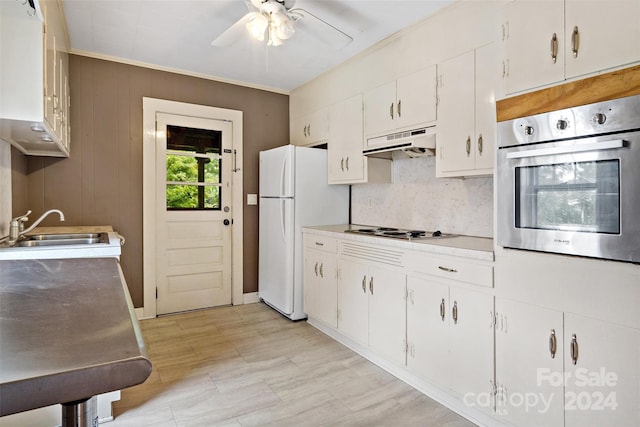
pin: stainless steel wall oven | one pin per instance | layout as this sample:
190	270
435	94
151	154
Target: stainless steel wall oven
568	181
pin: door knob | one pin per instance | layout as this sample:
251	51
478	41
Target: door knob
226	222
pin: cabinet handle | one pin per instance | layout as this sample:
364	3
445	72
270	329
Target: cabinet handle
454	312
391	110
575	41
321	267
447	269
553	343
319	244
364	284
468	148
316	268
304	131
342	164
480	144
442	309
347	163
309	129
371	285
554	48
399	108
574	349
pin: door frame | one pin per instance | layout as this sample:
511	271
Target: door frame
151	106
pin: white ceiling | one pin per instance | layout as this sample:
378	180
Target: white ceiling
177	35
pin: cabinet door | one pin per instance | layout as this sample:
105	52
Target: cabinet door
529	30
416	99
428	329
488	84
387	313
608	34
298	130
353	307
49	68
456	117
317	127
379	110
525	365
471	342
321	287
346	162
602	364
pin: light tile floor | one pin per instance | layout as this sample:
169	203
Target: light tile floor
248	366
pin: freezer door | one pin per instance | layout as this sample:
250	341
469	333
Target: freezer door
276	172
276	253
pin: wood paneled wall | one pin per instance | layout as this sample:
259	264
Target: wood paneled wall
101	182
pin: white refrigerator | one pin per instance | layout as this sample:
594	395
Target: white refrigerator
293	193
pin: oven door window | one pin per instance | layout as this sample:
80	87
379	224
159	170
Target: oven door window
574	196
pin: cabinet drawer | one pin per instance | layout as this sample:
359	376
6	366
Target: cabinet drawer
321	243
453	268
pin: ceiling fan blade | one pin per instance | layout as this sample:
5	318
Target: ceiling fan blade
320	29
233	33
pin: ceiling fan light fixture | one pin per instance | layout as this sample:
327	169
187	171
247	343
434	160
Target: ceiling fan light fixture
285	29
257	25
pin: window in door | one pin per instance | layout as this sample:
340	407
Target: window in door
193	166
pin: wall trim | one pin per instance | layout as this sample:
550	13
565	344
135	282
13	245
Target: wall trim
151	106
251	297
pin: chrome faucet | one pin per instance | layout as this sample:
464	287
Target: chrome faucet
16	227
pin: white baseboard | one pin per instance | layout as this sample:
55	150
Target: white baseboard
250	298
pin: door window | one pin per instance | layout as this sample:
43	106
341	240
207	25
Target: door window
193	166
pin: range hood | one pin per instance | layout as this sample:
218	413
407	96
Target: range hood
414	143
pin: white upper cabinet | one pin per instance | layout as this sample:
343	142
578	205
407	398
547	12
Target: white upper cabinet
546	42
405	103
467	87
347	164
310	129
34	89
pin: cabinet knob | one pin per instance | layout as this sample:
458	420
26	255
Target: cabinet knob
575	41
528	130
562	124
574	349
454	312
554	48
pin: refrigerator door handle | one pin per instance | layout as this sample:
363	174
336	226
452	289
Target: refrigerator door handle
282	219
282	176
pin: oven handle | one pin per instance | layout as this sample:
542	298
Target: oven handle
578	148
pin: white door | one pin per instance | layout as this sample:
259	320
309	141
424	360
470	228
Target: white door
193	224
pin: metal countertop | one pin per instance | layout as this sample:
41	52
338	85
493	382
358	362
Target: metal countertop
67	332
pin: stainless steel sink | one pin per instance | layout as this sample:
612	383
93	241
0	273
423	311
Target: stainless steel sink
64	239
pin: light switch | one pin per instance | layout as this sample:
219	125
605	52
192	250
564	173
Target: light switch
252	199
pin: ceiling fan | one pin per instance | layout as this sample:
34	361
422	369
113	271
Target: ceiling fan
276	21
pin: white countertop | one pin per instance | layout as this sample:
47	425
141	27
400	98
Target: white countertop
480	248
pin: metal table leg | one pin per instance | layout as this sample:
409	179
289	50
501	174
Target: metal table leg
81	413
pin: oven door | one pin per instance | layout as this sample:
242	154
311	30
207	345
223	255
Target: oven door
577	197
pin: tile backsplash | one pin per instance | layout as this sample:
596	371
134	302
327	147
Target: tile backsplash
419	200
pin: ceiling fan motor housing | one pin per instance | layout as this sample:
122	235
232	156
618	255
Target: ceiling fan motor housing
260	4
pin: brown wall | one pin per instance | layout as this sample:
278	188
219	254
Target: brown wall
101	182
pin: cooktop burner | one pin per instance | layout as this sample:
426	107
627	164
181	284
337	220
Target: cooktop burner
398	233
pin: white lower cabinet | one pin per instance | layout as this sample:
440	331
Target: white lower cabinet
450	337
320	280
372	306
555	369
